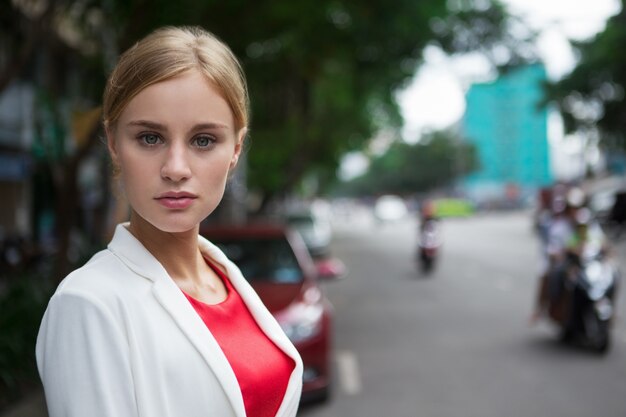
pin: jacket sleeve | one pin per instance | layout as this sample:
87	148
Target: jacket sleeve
83	360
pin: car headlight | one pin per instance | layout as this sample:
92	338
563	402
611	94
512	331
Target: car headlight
303	323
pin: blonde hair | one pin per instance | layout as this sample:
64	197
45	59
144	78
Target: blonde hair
168	52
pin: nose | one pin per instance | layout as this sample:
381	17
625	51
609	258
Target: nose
176	165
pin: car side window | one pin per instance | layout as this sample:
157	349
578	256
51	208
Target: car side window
264	260
286	269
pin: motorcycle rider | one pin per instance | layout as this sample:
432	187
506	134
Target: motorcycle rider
562	231
427	213
587	233
429	235
543	213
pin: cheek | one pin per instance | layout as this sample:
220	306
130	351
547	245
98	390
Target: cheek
136	170
129	165
215	172
216	166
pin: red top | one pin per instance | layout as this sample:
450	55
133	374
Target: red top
261	368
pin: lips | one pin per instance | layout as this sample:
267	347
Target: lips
176	200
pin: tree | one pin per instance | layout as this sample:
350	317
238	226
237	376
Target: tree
323	77
406	169
591	97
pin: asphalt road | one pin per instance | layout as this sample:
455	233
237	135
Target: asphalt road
458	343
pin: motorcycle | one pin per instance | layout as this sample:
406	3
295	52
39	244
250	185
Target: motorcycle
585	308
429	243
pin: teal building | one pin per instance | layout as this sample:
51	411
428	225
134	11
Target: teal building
509	129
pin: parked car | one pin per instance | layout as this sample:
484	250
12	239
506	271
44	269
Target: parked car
276	262
316	231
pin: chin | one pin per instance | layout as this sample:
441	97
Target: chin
178	228
173	224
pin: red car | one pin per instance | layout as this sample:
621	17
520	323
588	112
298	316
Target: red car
274	259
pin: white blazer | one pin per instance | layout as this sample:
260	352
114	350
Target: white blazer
119	339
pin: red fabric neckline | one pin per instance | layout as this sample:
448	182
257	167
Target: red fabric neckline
261	368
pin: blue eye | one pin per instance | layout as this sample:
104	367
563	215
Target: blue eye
150	139
203	141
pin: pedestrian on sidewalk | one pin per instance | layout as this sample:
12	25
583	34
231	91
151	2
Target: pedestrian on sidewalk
162	323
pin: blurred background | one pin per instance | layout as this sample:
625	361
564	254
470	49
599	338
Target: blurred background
365	116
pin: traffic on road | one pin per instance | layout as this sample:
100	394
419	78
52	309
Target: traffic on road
458	341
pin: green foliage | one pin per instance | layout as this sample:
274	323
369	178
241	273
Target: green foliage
317	79
486	28
323	78
407	169
592	95
22	304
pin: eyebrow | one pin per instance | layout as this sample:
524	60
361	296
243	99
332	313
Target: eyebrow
158	126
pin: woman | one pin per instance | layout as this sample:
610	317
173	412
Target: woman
161	323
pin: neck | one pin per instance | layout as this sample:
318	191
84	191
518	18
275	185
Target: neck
179	253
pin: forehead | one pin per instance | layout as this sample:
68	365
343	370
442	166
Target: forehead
188	98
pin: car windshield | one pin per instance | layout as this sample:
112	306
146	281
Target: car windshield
262	259
302	220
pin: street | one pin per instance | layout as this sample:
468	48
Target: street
458	343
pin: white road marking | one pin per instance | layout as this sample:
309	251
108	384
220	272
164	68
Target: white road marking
348	372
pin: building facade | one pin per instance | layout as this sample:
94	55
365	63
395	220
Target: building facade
509	129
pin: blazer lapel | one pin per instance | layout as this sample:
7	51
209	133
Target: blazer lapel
126	247
173	300
266	322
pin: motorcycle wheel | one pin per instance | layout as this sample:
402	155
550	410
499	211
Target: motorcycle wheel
597	333
426	264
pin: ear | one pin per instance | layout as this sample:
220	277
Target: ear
116	168
111	143
241	137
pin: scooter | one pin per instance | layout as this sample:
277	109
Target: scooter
585	309
429	243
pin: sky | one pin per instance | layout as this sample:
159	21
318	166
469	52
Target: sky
435	97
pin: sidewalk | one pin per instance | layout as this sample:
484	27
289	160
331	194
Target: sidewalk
32	406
